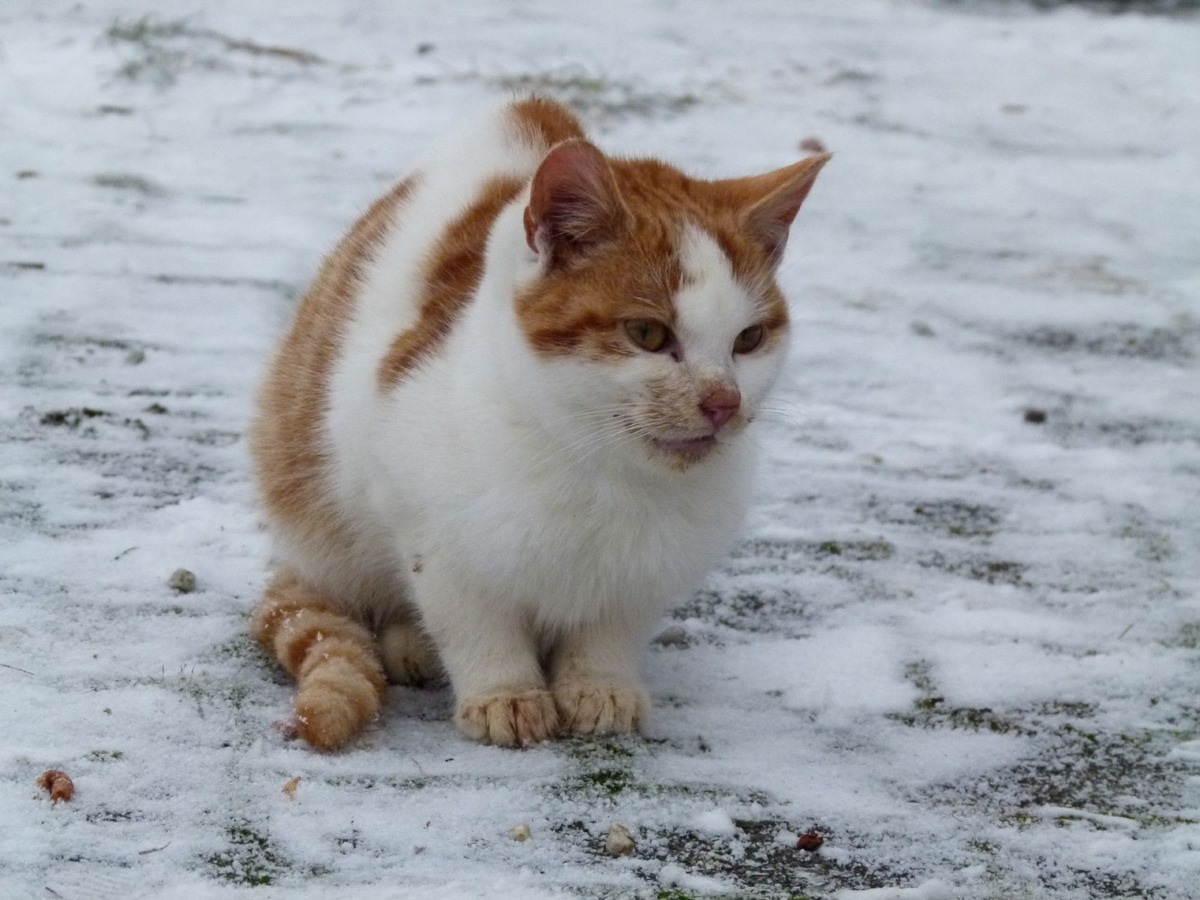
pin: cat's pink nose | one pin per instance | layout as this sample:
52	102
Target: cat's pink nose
720	406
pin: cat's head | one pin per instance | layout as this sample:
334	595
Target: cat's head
655	316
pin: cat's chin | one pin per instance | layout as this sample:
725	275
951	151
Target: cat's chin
685	451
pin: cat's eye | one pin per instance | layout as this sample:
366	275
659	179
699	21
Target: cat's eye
748	339
649	334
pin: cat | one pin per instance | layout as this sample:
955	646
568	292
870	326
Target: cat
507	427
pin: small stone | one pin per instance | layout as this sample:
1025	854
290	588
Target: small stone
813	144
810	841
135	357
619	841
921	329
520	833
1035	416
672	636
182	580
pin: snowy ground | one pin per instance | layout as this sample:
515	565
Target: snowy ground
960	638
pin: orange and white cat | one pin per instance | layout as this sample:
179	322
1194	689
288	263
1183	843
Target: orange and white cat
507	427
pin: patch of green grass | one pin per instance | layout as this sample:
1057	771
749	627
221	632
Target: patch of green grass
604	766
103	756
71	418
1123	339
587	748
776	611
930	710
757	864
155	60
251	859
124	181
754	862
920	674
991	571
403	785
240	647
856	551
106	815
958	517
1121	775
606	782
1189	636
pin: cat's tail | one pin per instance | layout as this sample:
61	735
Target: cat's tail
334	659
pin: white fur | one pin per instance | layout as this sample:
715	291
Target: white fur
713	307
480	490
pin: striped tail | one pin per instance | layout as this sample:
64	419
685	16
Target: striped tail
335	660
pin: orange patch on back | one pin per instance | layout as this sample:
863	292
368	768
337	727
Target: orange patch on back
286	437
452	273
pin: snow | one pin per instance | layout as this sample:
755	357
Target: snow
959	640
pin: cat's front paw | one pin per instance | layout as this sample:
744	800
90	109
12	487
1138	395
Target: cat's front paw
601	706
509	719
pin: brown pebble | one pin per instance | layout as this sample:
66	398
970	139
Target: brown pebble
810	841
58	783
813	145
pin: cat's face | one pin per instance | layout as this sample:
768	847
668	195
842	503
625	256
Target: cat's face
659	334
667	359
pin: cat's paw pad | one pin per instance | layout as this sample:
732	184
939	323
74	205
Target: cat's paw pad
408	655
509	719
604	706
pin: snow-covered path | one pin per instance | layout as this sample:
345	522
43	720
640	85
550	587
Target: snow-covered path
961	638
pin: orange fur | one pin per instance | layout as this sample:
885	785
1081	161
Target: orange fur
452	273
334	660
286	439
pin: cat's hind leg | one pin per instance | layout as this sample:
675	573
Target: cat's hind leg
409	656
334	659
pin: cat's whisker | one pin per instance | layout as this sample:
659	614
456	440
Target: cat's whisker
589	440
791	415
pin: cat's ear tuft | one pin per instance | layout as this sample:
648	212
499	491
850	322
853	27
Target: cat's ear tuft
774	200
574	203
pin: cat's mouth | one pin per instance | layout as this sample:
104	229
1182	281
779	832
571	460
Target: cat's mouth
686	448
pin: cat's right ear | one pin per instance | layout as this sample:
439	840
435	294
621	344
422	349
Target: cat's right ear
574	203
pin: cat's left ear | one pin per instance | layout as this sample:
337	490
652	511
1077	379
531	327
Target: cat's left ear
773	201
